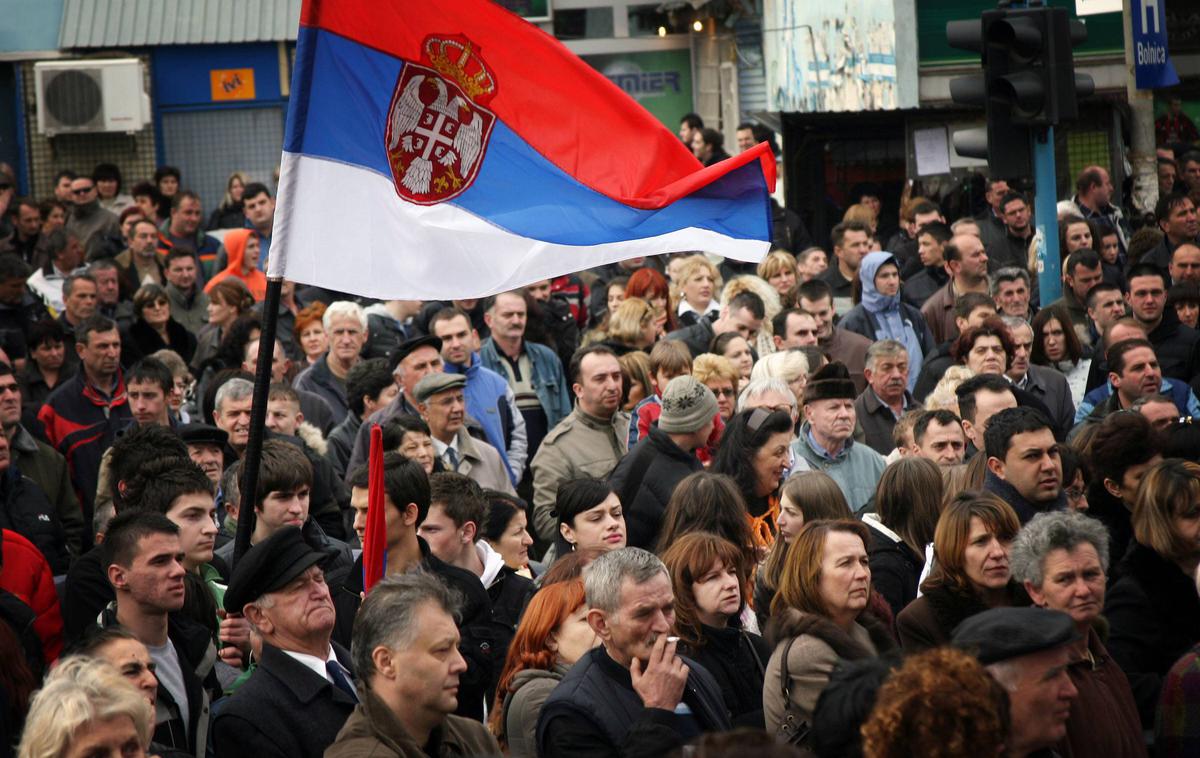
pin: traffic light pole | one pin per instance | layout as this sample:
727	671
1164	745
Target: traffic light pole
1046	214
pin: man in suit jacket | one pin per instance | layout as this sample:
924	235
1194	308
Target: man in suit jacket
302	691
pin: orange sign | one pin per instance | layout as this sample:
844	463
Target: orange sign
232	83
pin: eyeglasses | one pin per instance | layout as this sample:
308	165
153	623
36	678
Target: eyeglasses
83	190
723	391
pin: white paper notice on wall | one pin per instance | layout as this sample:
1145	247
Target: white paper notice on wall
932	151
1092	7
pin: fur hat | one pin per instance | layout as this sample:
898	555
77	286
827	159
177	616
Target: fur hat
830	382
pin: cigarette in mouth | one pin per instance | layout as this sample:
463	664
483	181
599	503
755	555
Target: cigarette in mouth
672	639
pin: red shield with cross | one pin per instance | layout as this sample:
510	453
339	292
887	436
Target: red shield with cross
437	128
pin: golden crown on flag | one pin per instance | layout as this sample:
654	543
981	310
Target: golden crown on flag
455	60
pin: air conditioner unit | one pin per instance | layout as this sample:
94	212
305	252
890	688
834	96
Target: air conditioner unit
85	96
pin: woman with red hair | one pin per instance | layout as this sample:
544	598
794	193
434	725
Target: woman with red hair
553	634
652	287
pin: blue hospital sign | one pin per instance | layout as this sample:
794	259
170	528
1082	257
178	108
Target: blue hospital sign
1151	62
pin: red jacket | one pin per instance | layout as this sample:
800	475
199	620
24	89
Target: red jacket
27	575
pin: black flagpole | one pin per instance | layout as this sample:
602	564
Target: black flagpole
258	418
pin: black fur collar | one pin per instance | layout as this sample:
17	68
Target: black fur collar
951	606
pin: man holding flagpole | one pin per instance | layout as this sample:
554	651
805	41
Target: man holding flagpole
405	505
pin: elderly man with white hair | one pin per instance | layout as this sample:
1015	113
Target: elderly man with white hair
633	694
346	325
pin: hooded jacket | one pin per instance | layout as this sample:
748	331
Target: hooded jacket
880	317
235	247
522	705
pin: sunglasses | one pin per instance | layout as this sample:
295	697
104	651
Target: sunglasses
83	190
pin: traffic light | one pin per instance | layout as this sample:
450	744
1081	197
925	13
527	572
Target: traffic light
1028	81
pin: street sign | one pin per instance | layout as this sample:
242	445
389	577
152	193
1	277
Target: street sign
1151	63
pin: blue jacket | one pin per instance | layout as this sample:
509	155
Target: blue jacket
486	398
1185	399
880	317
549	382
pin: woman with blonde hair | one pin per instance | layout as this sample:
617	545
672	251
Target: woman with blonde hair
972	542
86	708
778	269
637	379
230	214
790	365
718	374
698	283
631	326
943	396
908	501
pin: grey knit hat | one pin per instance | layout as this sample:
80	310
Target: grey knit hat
687	405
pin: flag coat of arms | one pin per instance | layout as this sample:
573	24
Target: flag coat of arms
447	150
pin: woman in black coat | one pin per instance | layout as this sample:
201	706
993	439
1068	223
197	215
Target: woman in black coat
710	582
153	329
907	504
973	538
1153	610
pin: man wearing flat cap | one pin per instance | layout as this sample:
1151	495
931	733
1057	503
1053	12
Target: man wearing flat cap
825	438
1027	650
302	691
443	406
206	447
410	363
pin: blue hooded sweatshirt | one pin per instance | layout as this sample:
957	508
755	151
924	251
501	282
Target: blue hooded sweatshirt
886	309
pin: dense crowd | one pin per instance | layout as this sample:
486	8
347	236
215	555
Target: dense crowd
879	499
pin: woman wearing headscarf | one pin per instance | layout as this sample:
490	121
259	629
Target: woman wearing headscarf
880	315
241	246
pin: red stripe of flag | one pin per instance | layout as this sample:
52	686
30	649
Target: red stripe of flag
374	539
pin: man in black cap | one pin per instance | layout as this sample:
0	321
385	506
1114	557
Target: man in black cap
302	691
825	440
205	446
1027	650
411	362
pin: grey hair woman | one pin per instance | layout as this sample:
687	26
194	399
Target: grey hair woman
1061	558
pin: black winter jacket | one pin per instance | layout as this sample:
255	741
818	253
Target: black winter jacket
1153	614
644	480
1177	347
895	568
25	510
737	659
595	711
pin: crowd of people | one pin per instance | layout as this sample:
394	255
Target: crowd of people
881	499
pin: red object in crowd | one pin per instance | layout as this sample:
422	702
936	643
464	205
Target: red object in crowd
374	536
27	575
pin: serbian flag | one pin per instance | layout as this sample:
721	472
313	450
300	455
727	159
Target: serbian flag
374	553
448	149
